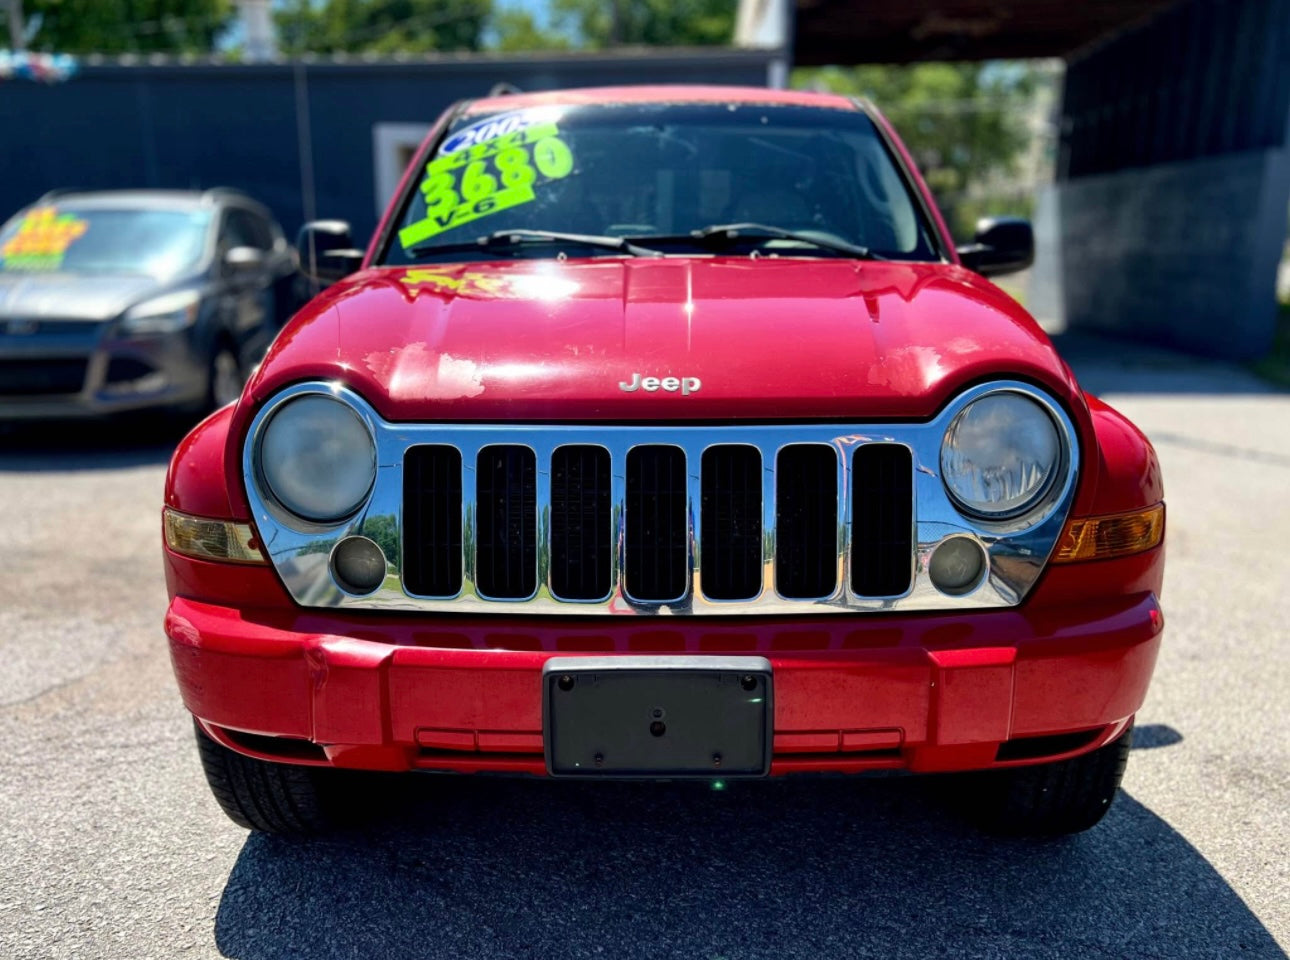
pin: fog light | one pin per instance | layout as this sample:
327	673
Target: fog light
957	566
358	565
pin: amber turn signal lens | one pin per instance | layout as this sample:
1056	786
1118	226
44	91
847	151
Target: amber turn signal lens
1099	538
208	539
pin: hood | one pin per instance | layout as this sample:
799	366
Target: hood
757	339
71	296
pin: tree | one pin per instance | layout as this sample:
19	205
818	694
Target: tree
966	124
513	30
664	23
126	26
381	26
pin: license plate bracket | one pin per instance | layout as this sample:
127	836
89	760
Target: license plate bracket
657	717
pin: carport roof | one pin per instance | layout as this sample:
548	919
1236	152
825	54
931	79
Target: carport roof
883	31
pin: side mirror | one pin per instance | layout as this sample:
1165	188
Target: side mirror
327	251
244	261
1002	245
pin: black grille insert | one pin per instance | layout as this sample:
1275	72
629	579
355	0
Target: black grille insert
806	521
882	520
506	523
731	548
656	529
42	376
432	521
581	542
125	369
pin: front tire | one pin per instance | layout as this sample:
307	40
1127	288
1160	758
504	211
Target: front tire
1053	799
278	798
225	376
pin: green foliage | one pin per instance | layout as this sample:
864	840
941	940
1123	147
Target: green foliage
1276	365
665	23
513	30
964	123
415	26
385	531
381	26
127	26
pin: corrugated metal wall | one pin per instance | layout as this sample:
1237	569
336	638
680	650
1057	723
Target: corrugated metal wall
1204	78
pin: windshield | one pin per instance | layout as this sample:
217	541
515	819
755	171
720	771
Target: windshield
156	243
660	171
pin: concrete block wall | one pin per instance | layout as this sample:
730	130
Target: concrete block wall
1182	254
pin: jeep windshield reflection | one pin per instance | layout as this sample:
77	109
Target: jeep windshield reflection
659	179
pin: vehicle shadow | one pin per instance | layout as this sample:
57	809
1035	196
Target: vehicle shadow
796	868
111	444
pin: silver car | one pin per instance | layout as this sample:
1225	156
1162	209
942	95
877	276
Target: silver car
122	300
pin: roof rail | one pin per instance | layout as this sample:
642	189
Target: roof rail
212	193
55	194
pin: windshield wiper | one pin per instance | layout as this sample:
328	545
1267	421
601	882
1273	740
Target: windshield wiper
502	239
730	232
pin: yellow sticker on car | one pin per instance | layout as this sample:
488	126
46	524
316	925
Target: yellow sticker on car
42	239
487	178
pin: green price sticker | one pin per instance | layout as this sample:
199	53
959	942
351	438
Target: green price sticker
487	178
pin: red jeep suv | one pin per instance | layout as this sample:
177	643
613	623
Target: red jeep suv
664	433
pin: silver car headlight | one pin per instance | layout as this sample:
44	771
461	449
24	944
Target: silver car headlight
168	313
317	458
1000	455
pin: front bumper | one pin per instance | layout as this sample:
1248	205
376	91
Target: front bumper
913	692
119	375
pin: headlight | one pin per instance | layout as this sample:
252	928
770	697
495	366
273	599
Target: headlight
165	314
1000	455
317	458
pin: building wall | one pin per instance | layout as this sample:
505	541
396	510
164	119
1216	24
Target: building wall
1182	254
298	137
1174	180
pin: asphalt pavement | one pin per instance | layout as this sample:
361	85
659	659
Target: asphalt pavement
111	846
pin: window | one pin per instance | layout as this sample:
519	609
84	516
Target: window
243	228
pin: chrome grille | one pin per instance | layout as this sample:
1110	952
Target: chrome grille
503	534
672	519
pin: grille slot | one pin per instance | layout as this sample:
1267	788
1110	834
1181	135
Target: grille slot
806	521
656	529
731	548
882	520
41	376
432	520
506	523
581	542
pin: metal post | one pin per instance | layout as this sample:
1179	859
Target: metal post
16	41
768	25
